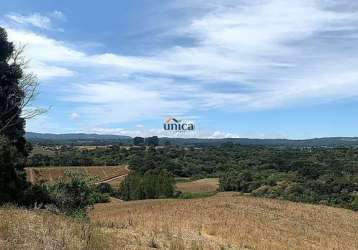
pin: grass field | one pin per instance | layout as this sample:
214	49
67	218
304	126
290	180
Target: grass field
224	221
199	186
50	174
33	230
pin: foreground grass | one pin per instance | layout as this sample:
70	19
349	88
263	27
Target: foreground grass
223	221
34	230
226	221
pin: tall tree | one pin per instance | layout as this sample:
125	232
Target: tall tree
16	91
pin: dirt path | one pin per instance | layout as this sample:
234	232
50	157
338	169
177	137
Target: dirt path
111	179
114	177
29	171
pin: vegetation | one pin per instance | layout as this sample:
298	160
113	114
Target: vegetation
74	195
316	175
22	229
51	174
13	148
150	185
198	186
226	221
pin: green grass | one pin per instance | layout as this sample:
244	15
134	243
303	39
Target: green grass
196	195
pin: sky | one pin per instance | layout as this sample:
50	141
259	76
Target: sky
236	68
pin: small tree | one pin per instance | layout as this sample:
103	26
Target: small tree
138	141
74	193
151	185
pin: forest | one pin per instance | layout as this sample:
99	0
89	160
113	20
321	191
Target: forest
316	175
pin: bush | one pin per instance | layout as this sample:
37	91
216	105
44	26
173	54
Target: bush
35	195
151	185
354	203
74	193
12	179
195	195
105	188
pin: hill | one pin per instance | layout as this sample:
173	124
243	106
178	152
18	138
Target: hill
76	139
226	221
223	221
96	139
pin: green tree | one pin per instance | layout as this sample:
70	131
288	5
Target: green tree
150	185
138	141
13	148
74	193
152	141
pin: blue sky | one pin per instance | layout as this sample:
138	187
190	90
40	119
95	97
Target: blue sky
250	68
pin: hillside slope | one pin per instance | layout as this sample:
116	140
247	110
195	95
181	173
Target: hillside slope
226	221
34	229
223	221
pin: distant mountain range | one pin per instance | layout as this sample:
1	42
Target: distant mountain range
96	139
79	136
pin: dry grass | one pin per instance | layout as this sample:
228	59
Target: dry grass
202	185
50	174
116	182
226	221
223	221
33	230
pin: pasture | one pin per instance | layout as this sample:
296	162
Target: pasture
198	186
51	174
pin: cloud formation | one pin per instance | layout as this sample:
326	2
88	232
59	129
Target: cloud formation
243	55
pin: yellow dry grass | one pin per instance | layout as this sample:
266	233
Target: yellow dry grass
226	221
202	185
50	174
33	230
116	182
223	221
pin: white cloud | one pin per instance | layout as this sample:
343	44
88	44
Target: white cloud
110	102
220	135
245	55
58	14
74	115
46	71
36	20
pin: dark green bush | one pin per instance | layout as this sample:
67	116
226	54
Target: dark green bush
151	185
105	188
74	193
355	203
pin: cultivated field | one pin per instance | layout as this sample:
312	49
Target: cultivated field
199	186
226	221
50	174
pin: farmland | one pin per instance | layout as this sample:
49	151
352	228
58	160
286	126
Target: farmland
199	186
51	174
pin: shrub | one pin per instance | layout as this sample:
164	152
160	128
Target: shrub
35	195
74	193
354	203
105	188
151	185
12	181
